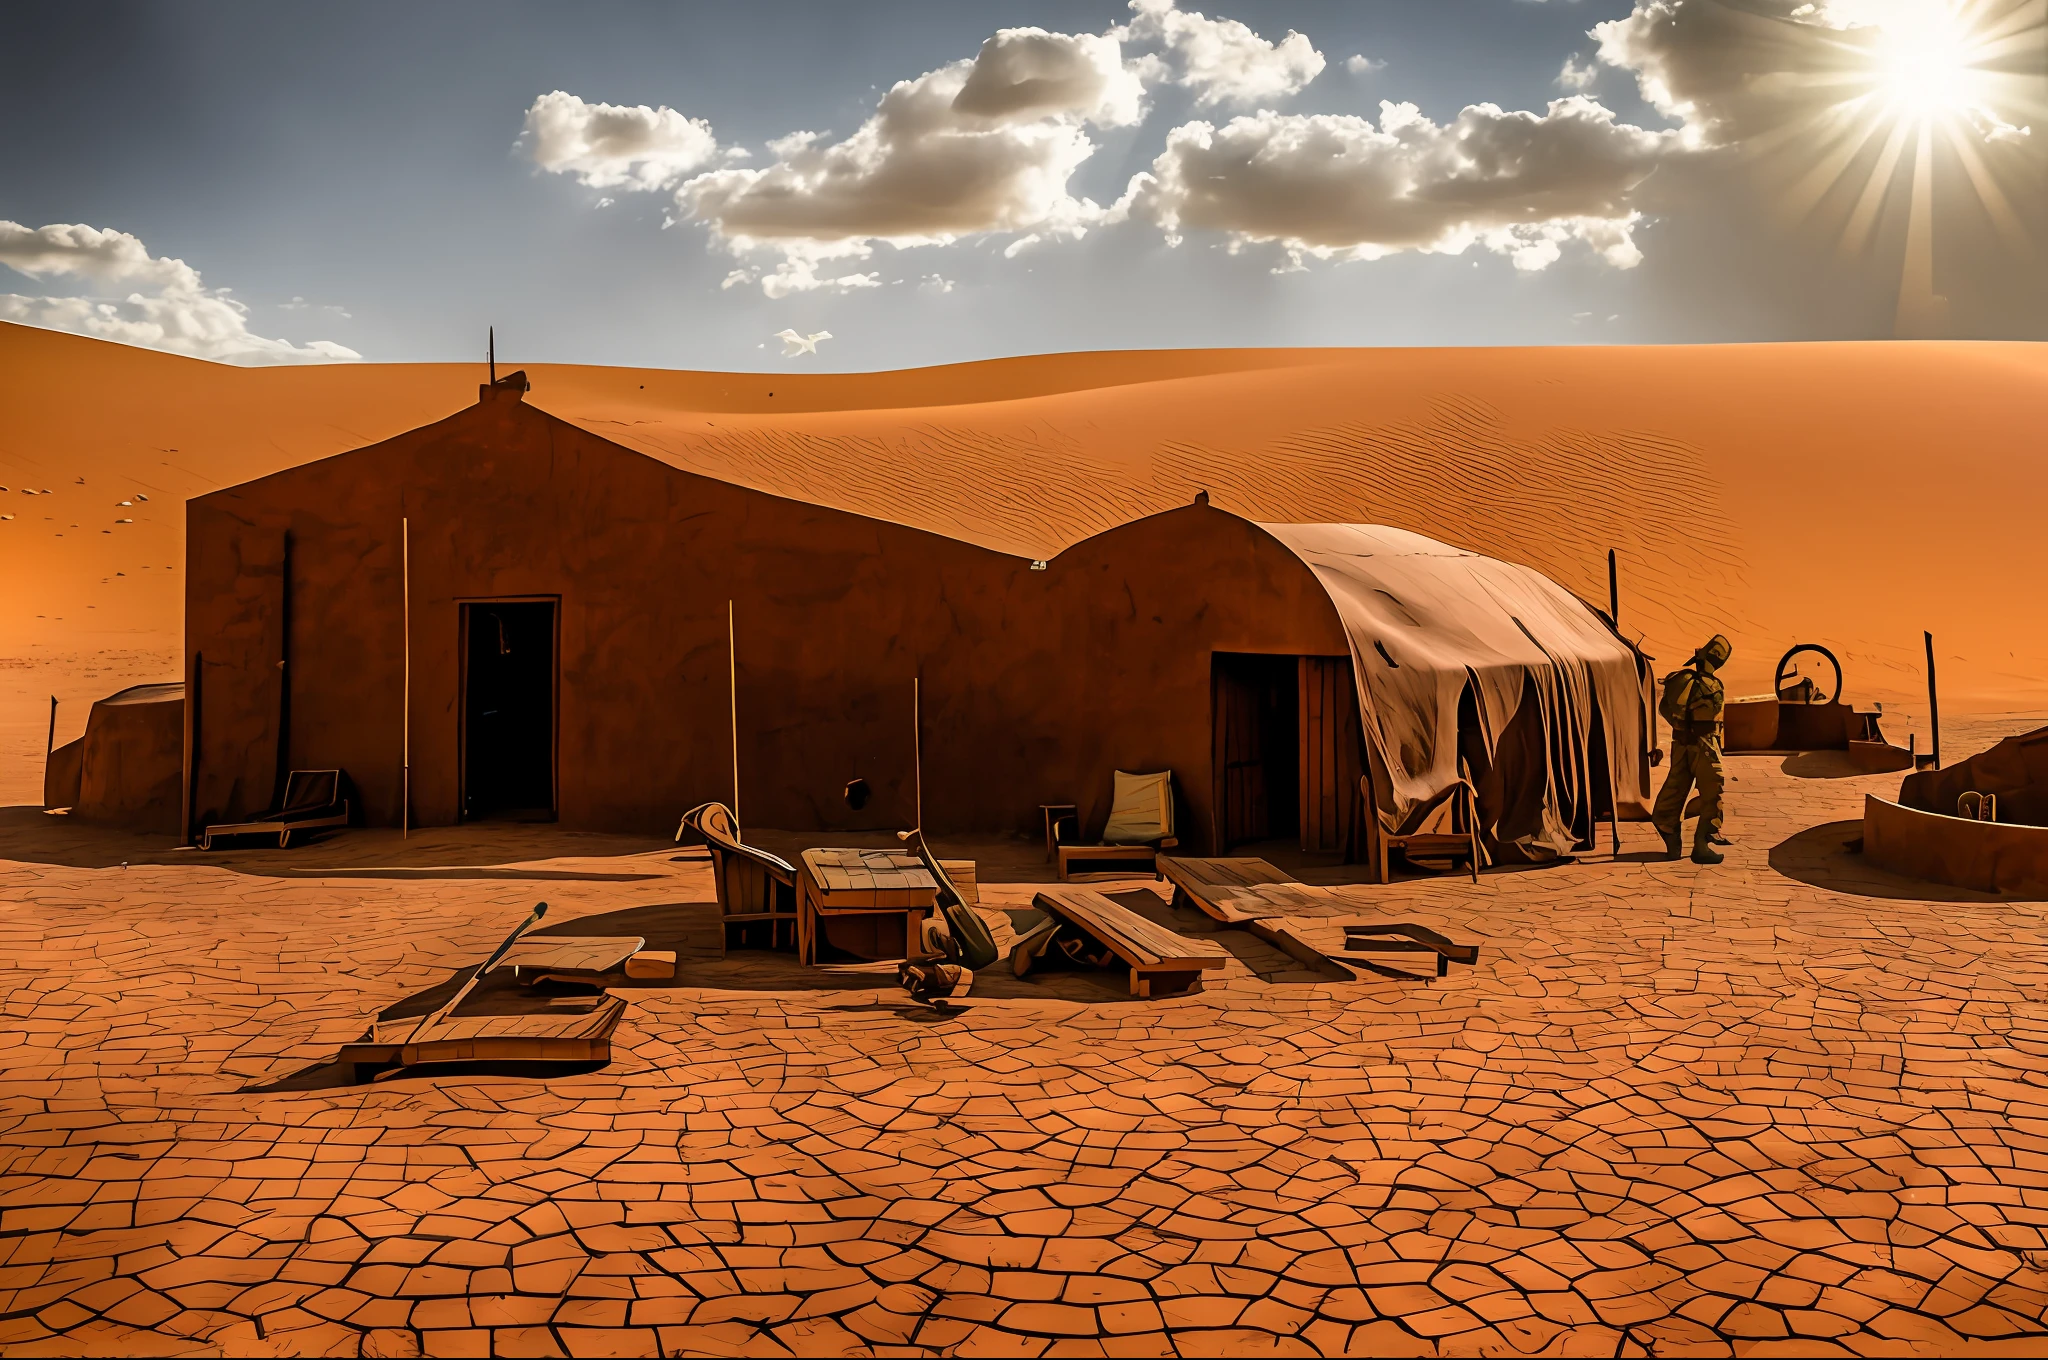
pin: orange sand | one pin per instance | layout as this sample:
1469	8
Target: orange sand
1852	494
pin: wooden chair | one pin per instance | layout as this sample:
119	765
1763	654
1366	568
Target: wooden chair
756	890
1462	842
312	799
1140	825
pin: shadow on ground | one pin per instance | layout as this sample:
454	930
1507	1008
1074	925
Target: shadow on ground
31	836
1822	765
1820	857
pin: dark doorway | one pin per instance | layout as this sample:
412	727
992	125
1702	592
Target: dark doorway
1257	747
508	710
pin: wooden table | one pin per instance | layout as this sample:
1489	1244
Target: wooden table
880	896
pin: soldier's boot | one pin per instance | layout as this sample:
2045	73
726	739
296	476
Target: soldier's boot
1674	844
1705	854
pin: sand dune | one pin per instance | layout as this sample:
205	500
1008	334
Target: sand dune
1847	493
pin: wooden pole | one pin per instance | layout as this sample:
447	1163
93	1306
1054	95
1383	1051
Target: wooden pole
405	721
917	748
1933	705
50	742
491	355
192	735
1613	618
732	662
282	781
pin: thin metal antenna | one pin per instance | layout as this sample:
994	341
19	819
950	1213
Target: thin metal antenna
51	744
917	746
732	659
1613	590
491	354
1933	704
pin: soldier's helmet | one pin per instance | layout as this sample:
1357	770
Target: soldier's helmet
1716	652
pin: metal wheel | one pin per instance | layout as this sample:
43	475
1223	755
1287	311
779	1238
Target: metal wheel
1805	691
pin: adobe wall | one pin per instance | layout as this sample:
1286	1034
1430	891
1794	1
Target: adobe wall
129	765
1036	684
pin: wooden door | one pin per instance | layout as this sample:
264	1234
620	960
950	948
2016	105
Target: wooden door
1332	755
1241	813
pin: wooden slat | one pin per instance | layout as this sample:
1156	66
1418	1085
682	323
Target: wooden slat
1222	888
595	1023
965	880
585	953
1137	941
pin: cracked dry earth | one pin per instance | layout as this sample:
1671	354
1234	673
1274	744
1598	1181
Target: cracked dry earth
1786	1106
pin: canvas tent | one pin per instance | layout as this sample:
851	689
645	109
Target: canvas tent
1464	660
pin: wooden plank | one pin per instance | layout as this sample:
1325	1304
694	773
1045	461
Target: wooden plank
1222	872
1137	941
597	1022
965	879
1233	891
583	953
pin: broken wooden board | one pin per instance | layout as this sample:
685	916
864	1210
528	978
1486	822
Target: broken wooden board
1377	935
1238	891
485	1015
1256	896
1160	960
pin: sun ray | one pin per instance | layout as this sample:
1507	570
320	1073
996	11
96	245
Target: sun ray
2003	218
1861	221
1919	309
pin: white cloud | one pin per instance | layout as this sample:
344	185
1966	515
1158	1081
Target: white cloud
1732	74
1337	187
1576	74
794	344
299	304
177	313
979	146
1222	60
609	146
1358	64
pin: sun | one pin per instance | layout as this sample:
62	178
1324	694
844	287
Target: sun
1925	62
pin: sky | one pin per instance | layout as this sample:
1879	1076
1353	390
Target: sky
676	185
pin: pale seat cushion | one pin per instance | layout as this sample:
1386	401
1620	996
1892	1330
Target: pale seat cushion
1142	810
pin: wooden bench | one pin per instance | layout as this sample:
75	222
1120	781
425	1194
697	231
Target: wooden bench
1142	859
1255	896
313	800
1462	842
1160	960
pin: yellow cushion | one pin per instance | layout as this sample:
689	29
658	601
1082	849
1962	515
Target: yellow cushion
1142	810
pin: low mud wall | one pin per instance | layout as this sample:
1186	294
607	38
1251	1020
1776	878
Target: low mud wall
1993	857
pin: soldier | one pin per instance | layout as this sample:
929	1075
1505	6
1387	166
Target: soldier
1692	704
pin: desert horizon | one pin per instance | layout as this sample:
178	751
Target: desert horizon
1830	503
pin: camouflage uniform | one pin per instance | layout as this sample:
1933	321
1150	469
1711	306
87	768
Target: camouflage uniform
1696	757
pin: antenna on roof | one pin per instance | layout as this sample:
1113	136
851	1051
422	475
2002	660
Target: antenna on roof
491	353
